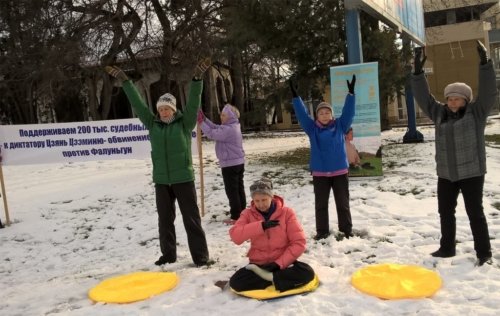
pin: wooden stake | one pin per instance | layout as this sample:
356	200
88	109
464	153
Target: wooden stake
202	182
4	196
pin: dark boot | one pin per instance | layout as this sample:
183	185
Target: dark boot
483	260
163	260
443	253
320	236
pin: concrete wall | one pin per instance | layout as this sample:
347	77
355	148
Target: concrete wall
438	5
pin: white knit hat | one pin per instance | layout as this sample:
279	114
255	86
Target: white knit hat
167	100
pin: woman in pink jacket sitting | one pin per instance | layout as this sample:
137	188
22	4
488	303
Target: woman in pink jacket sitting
276	242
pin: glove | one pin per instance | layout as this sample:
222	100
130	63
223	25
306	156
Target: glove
271	267
350	85
116	73
293	86
201	117
270	224
200	69
419	61
482	53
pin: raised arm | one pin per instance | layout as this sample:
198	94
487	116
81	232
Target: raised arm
349	109
216	132
487	90
425	100
138	105
194	95
305	121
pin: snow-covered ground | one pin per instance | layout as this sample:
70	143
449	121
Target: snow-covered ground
77	224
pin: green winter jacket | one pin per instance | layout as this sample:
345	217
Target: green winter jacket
170	143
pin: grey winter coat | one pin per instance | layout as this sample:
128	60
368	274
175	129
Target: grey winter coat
460	147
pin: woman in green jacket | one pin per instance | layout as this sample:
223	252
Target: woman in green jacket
170	136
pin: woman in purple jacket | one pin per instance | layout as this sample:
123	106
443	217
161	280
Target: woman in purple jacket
229	151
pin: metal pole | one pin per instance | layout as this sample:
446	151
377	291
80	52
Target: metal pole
202	181
412	135
353	32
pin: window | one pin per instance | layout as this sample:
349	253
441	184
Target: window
453	16
435	18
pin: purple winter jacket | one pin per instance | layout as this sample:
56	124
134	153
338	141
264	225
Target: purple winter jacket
228	140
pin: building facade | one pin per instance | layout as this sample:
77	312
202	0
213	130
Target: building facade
452	28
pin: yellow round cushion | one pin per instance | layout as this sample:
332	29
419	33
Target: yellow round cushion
133	287
270	292
395	281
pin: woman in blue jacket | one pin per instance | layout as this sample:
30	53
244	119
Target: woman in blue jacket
329	166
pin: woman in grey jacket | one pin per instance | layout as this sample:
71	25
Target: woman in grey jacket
460	151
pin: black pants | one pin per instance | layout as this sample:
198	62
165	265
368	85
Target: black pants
472	192
340	186
294	276
185	194
235	189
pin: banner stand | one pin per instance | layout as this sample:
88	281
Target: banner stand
202	182
4	197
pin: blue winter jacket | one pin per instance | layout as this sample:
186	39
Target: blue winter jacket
328	152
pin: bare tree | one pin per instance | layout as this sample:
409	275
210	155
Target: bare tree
37	59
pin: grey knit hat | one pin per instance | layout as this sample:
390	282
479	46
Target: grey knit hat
262	186
458	89
324	105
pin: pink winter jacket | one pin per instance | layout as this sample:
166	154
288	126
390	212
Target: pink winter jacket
282	244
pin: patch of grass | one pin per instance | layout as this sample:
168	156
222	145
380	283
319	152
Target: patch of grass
495	139
390	165
272	174
297	157
287	175
416	191
384	239
352	251
361	233
370	166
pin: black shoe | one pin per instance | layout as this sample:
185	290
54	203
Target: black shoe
320	236
483	260
204	263
162	260
443	254
348	235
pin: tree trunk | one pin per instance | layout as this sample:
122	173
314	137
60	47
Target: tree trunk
238	83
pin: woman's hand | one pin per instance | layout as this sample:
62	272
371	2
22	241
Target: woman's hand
116	73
